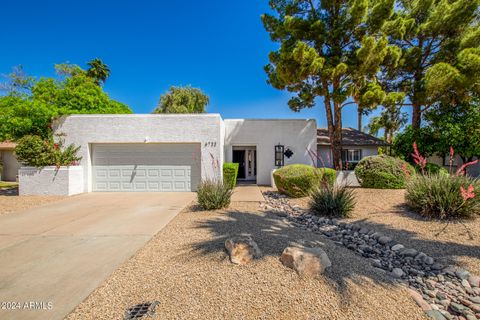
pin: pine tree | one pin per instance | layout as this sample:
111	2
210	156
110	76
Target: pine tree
331	49
433	36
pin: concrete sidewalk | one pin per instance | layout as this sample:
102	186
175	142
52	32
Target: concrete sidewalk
247	192
53	257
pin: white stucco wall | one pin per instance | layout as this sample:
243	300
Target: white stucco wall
297	134
10	165
326	154
85	130
63	181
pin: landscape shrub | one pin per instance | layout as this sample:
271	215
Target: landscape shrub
432	168
230	172
213	194
443	196
298	180
327	175
337	201
383	172
34	151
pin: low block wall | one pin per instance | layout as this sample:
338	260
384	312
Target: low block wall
63	181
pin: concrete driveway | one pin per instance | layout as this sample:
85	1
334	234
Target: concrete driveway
52	257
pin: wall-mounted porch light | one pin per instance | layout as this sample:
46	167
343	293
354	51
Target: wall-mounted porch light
279	157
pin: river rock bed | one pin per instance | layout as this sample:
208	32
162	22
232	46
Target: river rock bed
443	292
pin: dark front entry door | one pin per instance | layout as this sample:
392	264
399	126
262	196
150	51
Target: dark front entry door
239	157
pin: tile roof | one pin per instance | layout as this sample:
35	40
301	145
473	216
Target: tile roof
7	145
350	137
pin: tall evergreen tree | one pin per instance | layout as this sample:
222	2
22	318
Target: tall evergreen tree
331	49
432	34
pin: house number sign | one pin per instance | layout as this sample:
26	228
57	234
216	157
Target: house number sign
210	144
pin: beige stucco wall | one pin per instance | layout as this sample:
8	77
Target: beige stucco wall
10	165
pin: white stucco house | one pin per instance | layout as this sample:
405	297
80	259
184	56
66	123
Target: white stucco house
169	152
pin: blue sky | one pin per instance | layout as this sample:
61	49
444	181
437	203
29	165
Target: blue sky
216	45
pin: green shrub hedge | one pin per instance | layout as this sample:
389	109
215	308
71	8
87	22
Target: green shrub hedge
432	168
383	172
440	196
230	172
298	180
213	195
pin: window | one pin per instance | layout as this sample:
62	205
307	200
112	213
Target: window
351	155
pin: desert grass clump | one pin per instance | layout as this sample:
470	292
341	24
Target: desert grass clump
214	194
337	201
444	197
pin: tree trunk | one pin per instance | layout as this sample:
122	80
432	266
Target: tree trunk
337	136
360	114
416	116
333	133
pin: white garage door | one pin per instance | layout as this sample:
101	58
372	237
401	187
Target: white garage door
146	167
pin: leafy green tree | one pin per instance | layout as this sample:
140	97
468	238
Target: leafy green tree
98	71
437	40
182	100
425	138
32	112
331	49
456	126
18	82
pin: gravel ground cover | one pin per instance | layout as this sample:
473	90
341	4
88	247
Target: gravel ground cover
11	202
186	268
443	292
455	243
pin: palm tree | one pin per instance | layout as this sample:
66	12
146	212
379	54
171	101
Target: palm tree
98	71
391	120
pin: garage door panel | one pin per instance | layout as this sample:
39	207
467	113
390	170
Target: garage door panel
145	167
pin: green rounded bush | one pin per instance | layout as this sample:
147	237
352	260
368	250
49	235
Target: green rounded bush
383	172
213	195
298	180
440	196
432	168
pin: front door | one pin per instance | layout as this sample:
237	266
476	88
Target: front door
246	157
239	157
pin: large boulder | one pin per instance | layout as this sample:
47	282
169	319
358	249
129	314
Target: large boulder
307	262
242	249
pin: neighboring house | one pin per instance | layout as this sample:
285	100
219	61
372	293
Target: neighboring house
473	170
355	146
8	161
173	152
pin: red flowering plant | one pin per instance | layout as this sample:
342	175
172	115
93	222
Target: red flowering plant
418	158
441	195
